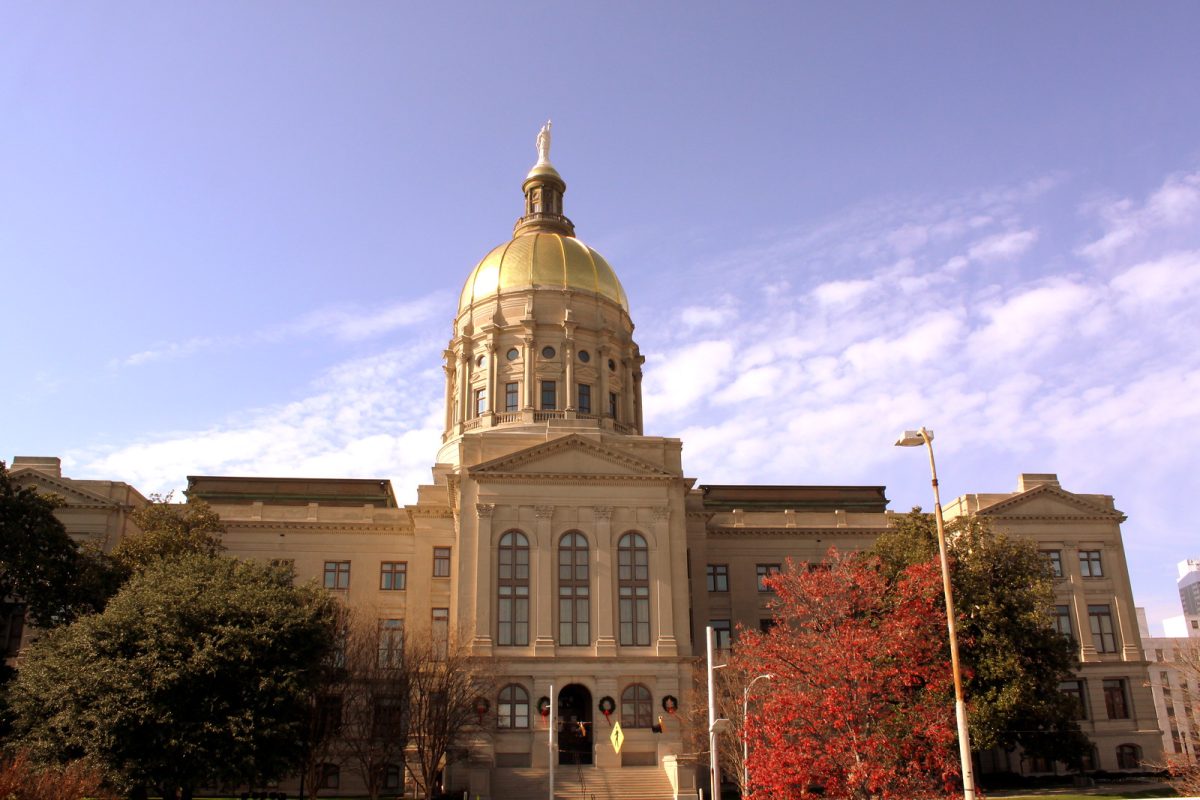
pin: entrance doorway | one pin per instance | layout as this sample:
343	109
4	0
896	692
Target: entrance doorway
575	732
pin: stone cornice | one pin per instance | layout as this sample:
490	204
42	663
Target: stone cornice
1086	511
574	442
316	526
75	496
565	478
739	533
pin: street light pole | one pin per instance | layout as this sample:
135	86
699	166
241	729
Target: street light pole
745	740
714	761
916	439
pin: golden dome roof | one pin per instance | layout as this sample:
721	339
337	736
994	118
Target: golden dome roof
542	260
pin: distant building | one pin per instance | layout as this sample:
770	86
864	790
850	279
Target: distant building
559	540
1175	671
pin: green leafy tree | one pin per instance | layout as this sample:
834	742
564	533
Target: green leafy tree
43	571
197	673
170	530
1013	659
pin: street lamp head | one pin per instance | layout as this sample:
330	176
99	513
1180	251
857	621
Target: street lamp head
915	438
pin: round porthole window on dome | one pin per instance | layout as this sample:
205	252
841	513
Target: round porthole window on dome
548	352
513	354
479	361
585	356
612	365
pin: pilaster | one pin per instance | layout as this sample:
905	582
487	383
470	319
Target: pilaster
606	640
663	598
481	645
544	565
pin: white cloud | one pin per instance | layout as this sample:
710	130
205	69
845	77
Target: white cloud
1176	203
684	378
1170	279
694	317
842	293
344	323
1002	246
373	417
1032	319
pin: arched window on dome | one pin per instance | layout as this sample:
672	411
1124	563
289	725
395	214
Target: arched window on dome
574	592
633	589
512	588
636	711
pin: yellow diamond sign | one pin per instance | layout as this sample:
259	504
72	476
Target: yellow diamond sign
618	737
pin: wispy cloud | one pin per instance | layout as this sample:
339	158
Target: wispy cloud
1174	204
372	417
342	323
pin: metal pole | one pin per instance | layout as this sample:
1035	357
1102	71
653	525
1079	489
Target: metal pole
550	742
960	707
745	740
715	762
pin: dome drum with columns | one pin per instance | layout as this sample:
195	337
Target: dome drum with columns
543	337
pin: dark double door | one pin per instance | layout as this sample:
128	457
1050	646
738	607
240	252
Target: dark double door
575	729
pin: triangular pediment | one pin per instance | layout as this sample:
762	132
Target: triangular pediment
64	488
570	457
1049	501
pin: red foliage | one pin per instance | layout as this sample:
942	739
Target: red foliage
860	703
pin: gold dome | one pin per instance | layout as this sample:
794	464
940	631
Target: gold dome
542	260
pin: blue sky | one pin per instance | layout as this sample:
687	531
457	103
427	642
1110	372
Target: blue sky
232	234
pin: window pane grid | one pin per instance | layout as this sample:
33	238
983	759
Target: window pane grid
512	612
337	574
393	575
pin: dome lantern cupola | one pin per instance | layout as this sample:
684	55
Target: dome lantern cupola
544	189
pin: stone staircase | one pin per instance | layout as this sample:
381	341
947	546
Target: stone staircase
615	783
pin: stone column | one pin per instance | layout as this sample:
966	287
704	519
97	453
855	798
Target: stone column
662	565
529	357
541	570
569	357
492	406
637	393
601	402
1087	647
627	409
448	367
481	645
1131	640
604	586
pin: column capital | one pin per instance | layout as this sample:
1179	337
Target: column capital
602	512
485	509
543	512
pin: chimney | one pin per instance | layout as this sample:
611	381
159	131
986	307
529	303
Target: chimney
50	465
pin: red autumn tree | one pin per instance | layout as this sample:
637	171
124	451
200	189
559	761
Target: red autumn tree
860	702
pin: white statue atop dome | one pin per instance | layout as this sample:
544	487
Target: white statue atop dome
543	144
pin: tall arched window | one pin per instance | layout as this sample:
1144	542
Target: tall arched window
512	587
633	589
635	707
513	708
573	593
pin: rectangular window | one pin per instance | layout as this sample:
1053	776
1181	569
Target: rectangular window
718	577
329	715
1062	621
549	396
763	571
1116	699
393	576
1076	690
510	397
440	633
480	402
585	398
765	625
391	643
1103	636
722	634
634	607
1054	559
337	574
387	721
441	562
612	404
1089	564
